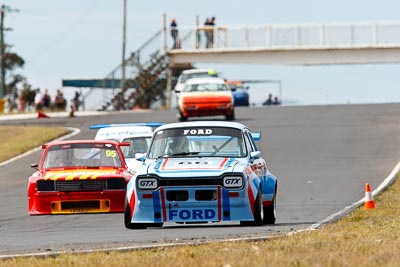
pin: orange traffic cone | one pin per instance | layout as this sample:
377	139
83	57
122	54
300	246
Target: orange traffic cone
369	201
41	115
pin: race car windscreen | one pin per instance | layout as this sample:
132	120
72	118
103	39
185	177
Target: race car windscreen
82	155
138	145
198	142
205	87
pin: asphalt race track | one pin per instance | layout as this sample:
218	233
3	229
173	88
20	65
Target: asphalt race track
322	156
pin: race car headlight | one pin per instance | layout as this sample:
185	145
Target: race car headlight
147	183
233	182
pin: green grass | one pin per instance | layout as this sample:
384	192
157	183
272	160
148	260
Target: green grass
19	139
363	238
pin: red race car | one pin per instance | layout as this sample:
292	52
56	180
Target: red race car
79	176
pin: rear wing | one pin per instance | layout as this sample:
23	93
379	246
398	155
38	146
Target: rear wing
256	136
153	125
257	139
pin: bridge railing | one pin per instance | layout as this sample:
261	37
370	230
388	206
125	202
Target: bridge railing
307	35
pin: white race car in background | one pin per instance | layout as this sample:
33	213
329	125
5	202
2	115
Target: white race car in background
139	143
137	134
118	131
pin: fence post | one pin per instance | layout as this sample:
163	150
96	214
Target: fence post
246	34
268	35
164	34
169	88
375	34
352	34
322	35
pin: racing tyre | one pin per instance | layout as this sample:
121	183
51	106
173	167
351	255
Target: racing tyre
230	117
258	212
270	211
181	117
127	219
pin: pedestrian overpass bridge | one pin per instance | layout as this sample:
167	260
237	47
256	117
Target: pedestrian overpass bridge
289	44
283	44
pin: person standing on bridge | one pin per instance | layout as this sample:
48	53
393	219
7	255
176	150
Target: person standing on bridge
175	34
212	24
207	25
209	32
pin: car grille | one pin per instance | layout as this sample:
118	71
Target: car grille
81	185
191	182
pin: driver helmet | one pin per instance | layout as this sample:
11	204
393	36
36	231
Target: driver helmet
178	144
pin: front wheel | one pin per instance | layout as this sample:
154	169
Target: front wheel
231	116
127	219
181	117
258	212
270	211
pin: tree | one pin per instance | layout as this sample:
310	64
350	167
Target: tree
13	61
28	94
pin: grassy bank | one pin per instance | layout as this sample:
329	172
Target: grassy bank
18	139
364	238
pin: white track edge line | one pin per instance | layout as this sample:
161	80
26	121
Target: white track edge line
338	215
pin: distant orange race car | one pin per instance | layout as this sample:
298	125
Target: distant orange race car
205	97
79	176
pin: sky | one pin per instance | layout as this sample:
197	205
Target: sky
78	39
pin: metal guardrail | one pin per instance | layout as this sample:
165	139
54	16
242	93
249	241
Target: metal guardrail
294	36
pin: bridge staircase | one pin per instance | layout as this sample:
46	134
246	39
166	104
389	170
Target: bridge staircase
145	83
145	87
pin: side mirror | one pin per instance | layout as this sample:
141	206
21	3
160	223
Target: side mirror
255	155
34	166
140	156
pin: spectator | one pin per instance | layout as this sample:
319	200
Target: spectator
276	101
211	37
9	104
76	101
175	34
46	99
207	31
60	101
21	103
268	101
38	100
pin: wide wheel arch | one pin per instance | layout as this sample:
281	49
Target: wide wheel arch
258	211
128	218
133	226
270	211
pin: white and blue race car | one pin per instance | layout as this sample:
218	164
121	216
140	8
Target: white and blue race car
137	134
199	172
